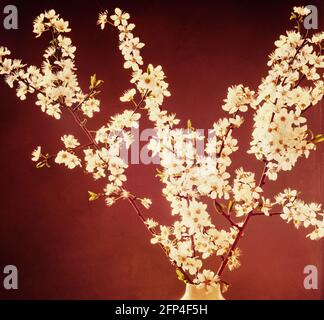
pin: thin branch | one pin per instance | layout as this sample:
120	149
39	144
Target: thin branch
233	246
131	200
266	215
84	128
261	184
264	174
229	130
226	216
82	124
193	246
241	230
82	146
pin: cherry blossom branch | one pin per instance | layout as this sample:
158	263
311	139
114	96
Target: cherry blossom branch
82	124
226	216
84	128
234	245
242	228
229	130
131	200
264	174
89	95
219	154
261	184
150	84
193	246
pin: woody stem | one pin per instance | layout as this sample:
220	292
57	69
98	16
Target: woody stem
241	230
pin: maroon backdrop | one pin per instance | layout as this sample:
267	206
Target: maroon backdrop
65	247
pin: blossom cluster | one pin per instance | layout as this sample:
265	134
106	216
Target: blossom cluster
57	89
191	180
246	193
279	139
301	214
281	134
187	175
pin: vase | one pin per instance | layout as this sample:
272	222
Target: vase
194	293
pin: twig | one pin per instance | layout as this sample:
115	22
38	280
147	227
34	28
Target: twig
241	230
131	200
261	184
266	215
226	216
232	248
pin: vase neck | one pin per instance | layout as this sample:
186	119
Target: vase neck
194	293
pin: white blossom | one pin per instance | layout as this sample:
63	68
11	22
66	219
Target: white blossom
191	180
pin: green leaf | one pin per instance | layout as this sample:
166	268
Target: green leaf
93	81
42	164
159	174
93	196
99	83
318	138
181	276
231	204
219	207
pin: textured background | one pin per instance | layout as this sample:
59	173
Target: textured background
65	247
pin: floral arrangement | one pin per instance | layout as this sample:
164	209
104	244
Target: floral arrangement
192	181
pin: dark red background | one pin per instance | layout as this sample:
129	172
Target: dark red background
65	247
